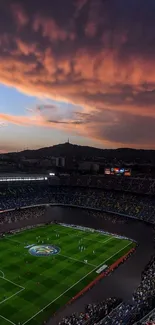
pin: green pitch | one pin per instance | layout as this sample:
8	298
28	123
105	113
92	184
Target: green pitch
32	287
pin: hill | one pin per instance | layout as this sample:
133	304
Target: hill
72	151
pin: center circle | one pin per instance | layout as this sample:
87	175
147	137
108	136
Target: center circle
44	250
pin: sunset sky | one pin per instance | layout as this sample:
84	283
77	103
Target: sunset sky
78	69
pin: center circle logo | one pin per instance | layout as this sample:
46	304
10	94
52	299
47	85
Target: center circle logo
44	250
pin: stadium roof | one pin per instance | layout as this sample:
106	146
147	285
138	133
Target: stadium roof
14	175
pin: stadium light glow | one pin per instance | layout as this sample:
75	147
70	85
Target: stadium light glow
17	179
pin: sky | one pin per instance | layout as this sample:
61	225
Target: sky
77	69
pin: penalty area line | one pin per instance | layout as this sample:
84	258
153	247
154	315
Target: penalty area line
15	284
83	237
3	276
75	284
15	294
9	321
115	254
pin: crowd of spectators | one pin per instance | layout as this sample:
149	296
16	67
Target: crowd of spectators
19	215
113	218
22	195
93	313
142	301
137	206
148	320
118	183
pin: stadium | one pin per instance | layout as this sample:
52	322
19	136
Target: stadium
76	250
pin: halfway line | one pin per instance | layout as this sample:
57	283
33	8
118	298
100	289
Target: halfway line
75	284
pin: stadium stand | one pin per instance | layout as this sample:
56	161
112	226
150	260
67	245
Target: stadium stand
142	301
126	197
132	205
92	313
148	319
20	215
125	184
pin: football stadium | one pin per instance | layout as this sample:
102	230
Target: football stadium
74	252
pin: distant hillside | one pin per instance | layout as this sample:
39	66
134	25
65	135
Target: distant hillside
72	151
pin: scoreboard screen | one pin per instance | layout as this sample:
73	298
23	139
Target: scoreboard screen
117	171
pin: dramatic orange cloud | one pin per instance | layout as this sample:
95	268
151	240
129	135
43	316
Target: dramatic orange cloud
98	54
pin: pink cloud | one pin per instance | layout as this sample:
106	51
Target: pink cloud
49	28
20	15
90	54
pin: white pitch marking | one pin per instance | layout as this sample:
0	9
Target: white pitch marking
85	238
87	230
12	296
74	259
75	284
2	274
7	320
15	241
17	285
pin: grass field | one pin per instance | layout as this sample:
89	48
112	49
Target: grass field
32	287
